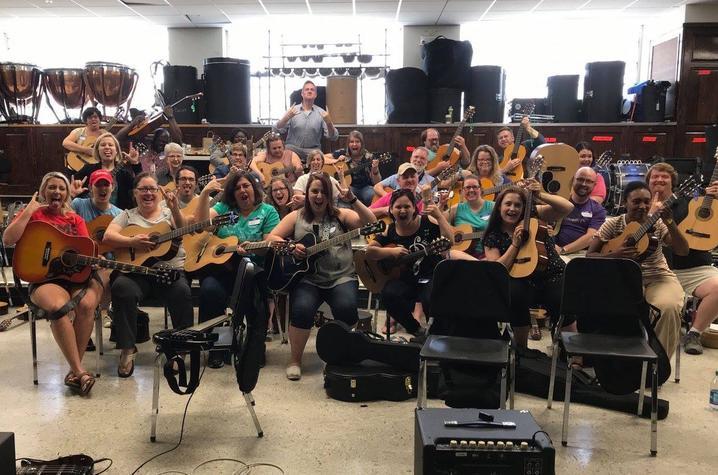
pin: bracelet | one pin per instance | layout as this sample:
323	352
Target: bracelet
351	202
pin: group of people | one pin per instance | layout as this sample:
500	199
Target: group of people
132	188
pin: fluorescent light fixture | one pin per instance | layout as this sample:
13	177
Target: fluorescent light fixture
583	4
536	6
354	7
309	7
398	9
487	10
261	3
629	5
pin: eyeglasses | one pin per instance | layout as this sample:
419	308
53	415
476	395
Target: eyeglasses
284	188
186	178
148	189
472	187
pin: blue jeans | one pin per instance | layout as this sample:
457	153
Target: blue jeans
305	299
365	194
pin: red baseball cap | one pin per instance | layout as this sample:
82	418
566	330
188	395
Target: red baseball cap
101	174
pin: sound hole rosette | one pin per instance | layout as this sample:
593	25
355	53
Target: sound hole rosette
111	84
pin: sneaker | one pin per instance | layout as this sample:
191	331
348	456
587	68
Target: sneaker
692	343
107	321
294	372
216	359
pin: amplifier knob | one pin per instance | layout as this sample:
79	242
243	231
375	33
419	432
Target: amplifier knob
453	443
472	444
509	445
500	445
481	444
524	445
463	444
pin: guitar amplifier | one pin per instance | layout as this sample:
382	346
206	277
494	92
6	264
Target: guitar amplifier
7	452
438	449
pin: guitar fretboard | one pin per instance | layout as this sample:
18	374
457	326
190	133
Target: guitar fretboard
115	265
652	219
192	228
324	245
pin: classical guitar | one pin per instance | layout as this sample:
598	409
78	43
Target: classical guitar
700	226
226	149
205	249
489	190
465	237
637	235
284	271
76	160
531	256
343	172
516	151
46	253
374	274
449	152
166	240
559	168
96	228
157	119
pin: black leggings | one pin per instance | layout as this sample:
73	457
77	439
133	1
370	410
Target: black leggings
526	293
399	297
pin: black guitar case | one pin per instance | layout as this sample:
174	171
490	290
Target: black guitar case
369	381
337	344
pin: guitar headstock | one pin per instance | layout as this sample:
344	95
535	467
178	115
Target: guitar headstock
605	159
469	113
226	218
688	187
383	157
283	248
535	166
194	97
166	274
439	245
373	228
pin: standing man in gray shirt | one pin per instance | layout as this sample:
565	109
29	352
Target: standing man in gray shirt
305	124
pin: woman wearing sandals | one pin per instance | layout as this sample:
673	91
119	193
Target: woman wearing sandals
55	299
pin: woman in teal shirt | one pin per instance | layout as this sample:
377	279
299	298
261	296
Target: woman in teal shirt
474	211
243	195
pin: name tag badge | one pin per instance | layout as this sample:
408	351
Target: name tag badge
332	230
486	218
254	222
587	214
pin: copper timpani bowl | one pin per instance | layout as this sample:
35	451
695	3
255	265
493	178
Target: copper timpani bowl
19	81
111	84
67	86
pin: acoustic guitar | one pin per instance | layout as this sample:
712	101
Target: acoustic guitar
637	235
226	149
531	256
205	249
284	271
559	167
157	119
96	228
449	152
374	274
700	226
343	173
76	160
271	170
465	237
45	253
517	151
489	190
166	240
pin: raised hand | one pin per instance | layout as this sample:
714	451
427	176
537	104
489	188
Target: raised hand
34	204
133	154
77	187
170	198
518	237
292	111
325	115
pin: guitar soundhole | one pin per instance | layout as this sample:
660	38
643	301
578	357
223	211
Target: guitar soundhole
553	187
704	213
546	180
219	251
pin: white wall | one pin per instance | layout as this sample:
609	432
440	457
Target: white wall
413	36
190	46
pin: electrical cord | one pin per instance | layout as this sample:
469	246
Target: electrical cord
219	460
184	417
248	469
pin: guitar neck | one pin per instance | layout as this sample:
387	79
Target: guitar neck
496	189
251	246
472	235
179	232
708	199
114	265
324	245
652	219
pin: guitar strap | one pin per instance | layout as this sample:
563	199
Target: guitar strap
65	309
178	382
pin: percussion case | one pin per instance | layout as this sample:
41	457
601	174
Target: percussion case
369	381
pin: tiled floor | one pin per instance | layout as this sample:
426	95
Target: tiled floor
305	432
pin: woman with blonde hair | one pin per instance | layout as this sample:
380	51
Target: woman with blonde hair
56	298
485	164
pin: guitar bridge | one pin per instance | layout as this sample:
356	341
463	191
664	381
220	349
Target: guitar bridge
699	234
522	260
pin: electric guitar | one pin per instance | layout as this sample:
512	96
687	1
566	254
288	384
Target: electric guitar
205	249
76	160
465	237
284	271
45	253
531	256
166	240
158	118
517	151
96	228
637	235
700	226
449	152
343	172
374	274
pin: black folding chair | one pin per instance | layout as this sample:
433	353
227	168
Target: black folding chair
606	298
456	311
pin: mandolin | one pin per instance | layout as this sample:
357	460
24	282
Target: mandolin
465	237
516	151
45	253
699	226
637	235
157	119
560	166
96	228
449	152
205	249
166	239
531	256
374	274
343	172
76	160
284	271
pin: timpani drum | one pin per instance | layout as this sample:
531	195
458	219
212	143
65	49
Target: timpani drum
67	87
21	91
111	84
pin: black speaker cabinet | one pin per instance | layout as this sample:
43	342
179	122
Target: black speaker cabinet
446	62
603	91
321	100
7	452
440	99
651	102
226	90
487	92
181	81
709	160
562	99
407	96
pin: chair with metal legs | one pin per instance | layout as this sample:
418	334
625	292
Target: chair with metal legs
606	298
484	347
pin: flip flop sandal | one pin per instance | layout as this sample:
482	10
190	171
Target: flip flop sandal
71	380
86	382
